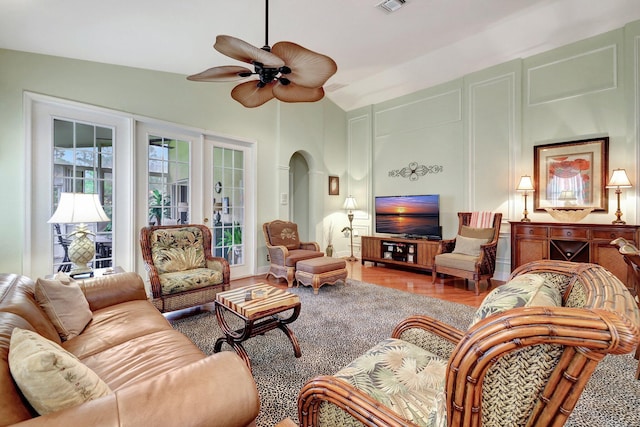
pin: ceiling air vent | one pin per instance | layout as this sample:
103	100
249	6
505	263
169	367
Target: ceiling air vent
391	5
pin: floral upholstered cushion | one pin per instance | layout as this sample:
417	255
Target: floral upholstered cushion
177	249
525	290
406	378
179	281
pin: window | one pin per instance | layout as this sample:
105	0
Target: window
82	163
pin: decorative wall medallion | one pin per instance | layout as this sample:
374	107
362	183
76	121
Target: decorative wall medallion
414	171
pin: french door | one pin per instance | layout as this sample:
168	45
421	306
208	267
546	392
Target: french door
229	195
190	177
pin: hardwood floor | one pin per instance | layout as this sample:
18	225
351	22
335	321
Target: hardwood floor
450	289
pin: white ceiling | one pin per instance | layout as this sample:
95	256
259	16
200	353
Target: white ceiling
380	55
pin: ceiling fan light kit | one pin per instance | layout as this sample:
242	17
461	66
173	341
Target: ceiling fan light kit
287	72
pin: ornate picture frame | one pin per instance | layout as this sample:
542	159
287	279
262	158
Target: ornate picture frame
334	186
571	175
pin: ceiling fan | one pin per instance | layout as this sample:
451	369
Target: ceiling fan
288	71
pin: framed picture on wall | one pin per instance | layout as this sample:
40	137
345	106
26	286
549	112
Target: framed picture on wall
571	175
334	186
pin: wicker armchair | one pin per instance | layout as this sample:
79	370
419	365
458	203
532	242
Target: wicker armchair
524	361
182	271
476	258
286	249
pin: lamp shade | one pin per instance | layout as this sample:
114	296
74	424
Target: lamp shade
525	184
78	208
619	179
350	203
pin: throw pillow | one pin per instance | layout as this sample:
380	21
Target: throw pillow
50	377
477	233
63	277
468	245
525	290
65	305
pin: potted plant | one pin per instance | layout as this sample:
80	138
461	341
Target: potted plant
232	239
329	234
159	206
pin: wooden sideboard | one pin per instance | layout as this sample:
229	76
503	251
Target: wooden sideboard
531	241
411	253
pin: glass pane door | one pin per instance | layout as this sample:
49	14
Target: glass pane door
228	203
168	181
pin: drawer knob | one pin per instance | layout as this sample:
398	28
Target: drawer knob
530	231
613	235
569	233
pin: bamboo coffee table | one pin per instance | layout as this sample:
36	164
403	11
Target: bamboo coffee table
259	315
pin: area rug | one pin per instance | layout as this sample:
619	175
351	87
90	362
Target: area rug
343	321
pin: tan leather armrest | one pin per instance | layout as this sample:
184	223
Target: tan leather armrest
113	289
217	390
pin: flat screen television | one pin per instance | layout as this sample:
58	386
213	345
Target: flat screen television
412	216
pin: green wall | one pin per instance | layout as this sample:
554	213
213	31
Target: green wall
482	129
279	129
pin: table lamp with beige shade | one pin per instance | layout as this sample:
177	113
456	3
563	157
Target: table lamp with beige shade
619	179
80	208
525	185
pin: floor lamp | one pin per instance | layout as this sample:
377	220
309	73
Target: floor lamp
619	179
525	185
79	208
350	204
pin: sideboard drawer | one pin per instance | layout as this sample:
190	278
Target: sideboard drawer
570	232
531	231
613	233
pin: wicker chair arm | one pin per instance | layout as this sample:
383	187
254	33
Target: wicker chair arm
587	334
346	397
446	246
428	324
487	259
310	246
277	254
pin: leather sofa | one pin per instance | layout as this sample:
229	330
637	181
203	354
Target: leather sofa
157	376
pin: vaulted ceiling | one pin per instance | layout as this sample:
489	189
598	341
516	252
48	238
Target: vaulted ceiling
380	55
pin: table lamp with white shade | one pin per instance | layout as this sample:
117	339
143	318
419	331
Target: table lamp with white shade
79	208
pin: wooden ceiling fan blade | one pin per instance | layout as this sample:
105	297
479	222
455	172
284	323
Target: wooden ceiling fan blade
296	93
308	68
243	51
250	95
226	73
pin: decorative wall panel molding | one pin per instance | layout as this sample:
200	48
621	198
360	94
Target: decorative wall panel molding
415	171
420	114
566	78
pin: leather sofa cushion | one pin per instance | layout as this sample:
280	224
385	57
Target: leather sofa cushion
143	358
300	254
115	325
321	265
